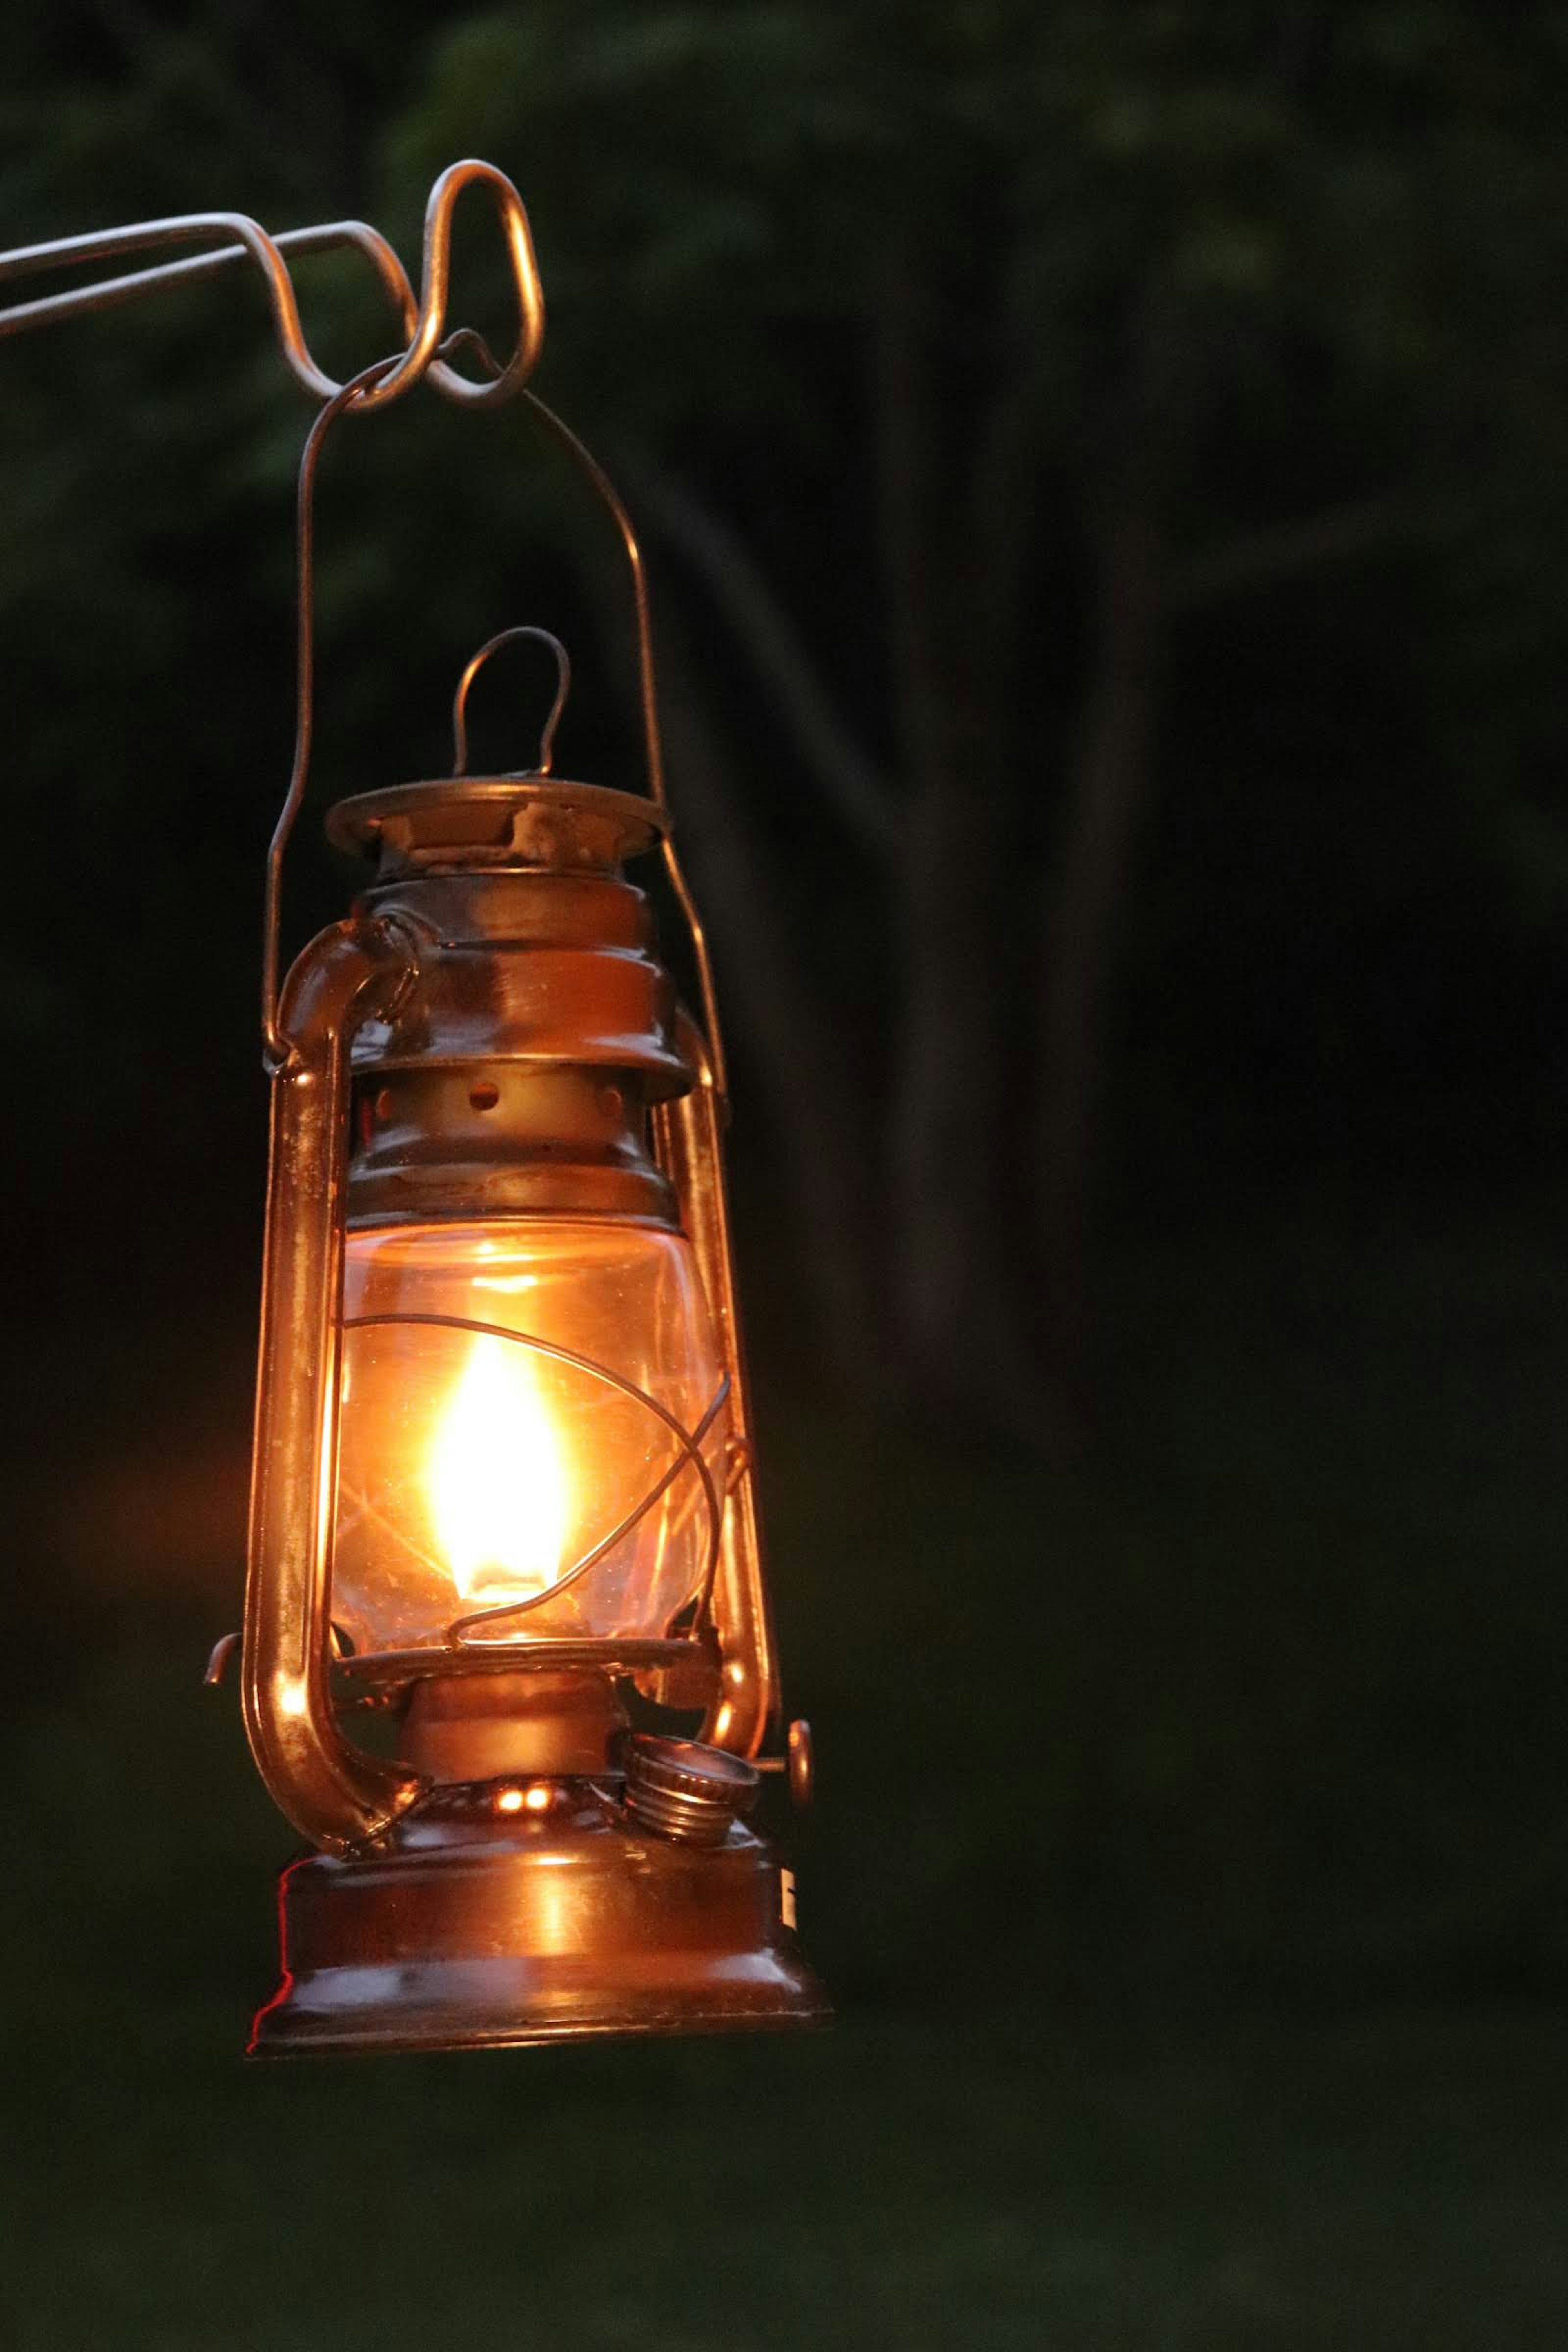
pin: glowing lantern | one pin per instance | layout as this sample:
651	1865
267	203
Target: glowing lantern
503	1476
502	1494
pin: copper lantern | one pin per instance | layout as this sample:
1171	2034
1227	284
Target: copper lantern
507	1663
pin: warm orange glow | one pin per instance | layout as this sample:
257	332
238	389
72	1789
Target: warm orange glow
537	1798
475	1469
496	1479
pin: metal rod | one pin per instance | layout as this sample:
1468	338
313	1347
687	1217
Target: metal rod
688	1147
423	323
333	1793
257	246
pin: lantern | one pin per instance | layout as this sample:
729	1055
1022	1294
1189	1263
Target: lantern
507	1663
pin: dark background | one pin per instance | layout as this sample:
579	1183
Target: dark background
1104	471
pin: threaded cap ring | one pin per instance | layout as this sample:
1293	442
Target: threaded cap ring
684	1789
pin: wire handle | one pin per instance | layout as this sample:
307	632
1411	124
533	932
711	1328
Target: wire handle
360	393
428	351
563	688
276	1045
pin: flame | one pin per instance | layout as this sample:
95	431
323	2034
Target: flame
496	1481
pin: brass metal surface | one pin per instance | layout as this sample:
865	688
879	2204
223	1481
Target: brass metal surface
685	1791
801	1764
467	824
333	1794
515	1075
484	1052
549	969
480	1921
493	1137
550	1723
628	1653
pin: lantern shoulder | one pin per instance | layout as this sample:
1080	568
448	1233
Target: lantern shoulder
516	822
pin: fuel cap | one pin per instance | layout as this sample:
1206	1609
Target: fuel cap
686	1790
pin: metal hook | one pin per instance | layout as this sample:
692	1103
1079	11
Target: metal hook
563	688
424	345
423	324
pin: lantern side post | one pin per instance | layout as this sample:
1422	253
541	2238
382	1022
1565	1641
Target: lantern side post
689	1146
333	1792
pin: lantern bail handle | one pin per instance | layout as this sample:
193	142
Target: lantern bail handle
563	688
355	396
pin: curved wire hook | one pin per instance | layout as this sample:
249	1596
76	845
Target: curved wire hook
563	688
422	321
424	351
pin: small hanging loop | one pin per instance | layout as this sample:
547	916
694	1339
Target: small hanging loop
563	688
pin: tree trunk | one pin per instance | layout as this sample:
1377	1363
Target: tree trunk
1109	788
944	1064
958	1274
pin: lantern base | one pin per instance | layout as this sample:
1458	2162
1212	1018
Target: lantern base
502	1912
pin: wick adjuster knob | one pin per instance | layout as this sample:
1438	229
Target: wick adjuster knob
686	1790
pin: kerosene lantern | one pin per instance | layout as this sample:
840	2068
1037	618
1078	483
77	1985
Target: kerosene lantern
507	1663
502	1480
